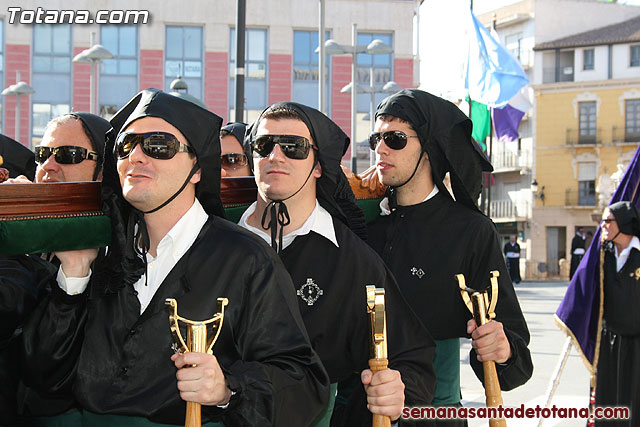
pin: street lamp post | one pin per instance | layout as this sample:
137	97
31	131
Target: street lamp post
374	48
19	89
94	55
372	90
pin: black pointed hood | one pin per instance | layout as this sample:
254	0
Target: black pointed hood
445	135
96	128
626	216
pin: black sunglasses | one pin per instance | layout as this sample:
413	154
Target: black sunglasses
293	146
233	161
608	220
64	154
159	145
394	139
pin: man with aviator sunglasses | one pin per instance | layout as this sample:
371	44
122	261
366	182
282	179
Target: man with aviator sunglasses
307	211
427	236
71	149
107	332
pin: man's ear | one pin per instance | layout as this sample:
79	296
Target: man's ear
196	177
317	170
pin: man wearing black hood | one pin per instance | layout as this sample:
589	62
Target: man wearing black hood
235	161
106	334
426	237
71	149
617	366
307	206
16	158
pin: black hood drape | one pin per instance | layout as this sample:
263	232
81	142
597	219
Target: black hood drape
445	135
16	158
626	216
202	130
96	128
332	189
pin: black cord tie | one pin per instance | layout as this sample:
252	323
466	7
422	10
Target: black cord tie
280	215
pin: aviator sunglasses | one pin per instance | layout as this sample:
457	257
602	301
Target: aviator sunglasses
233	161
64	154
292	146
159	145
394	139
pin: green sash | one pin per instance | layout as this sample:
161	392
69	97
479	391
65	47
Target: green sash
447	366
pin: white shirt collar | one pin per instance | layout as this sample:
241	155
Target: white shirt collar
320	221
622	257
384	203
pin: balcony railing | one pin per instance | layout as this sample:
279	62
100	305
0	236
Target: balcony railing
573	197
509	209
574	137
622	134
555	75
510	160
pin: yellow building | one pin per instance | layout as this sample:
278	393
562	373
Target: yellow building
587	126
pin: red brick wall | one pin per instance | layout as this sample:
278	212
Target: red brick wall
151	69
403	72
216	83
18	58
341	102
279	78
81	84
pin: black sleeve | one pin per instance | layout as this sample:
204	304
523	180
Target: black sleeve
486	256
51	341
280	379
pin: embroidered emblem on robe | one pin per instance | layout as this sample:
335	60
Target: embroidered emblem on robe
309	292
417	272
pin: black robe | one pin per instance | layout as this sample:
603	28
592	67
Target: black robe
425	246
118	361
338	323
513	264
618	369
576	243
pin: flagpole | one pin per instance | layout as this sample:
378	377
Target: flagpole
490	149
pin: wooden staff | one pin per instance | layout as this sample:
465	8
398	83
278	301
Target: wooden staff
196	342
483	311
378	323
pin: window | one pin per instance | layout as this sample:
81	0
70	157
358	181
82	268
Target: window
381	64
183	57
588	59
587	183
587	122
52	48
255	82
51	75
121	41
43	113
513	43
305	68
635	56
118	79
632	120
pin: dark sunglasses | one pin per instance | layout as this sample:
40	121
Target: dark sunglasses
233	161
293	146
607	220
64	154
159	145
394	139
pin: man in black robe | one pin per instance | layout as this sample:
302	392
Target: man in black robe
578	245
512	253
426	237
306	205
25	279
104	332
617	367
